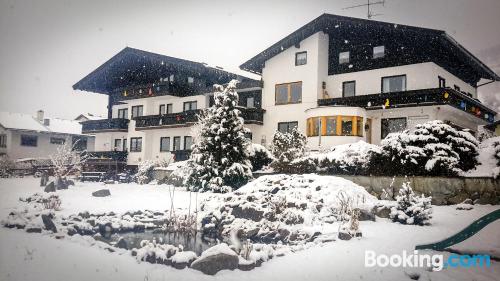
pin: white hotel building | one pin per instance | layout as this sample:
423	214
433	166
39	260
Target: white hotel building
337	79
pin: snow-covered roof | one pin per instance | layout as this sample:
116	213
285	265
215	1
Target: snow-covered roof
89	116
20	121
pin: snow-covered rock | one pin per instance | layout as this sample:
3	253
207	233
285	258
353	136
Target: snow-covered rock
215	259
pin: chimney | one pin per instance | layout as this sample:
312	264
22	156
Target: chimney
39	116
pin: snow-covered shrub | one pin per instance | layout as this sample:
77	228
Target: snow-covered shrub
53	202
350	159
410	208
67	160
461	142
145	171
287	147
433	149
220	158
6	166
259	156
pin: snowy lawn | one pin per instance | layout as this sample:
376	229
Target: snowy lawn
25	256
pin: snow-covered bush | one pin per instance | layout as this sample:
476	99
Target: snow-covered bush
259	156
410	208
67	160
433	149
220	157
287	147
461	142
350	159
53	202
145	171
6	166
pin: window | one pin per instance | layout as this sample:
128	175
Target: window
288	93
137	111
442	82
79	143
378	52
164	144
300	58
118	144
169	108
287	127
344	57
135	144
27	140
177	144
57	140
3	140
346	125
392	125
335	126
456	88
190	105
188	142
394	84
349	89
314	126
331	126
162	109
123	113
250	102
124	145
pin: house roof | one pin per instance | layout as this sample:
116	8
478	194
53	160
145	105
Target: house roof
89	116
329	22
134	66
26	122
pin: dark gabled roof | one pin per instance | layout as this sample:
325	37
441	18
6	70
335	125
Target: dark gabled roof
328	22
134	66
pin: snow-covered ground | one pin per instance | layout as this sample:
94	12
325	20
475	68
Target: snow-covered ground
25	256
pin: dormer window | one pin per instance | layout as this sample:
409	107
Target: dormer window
300	58
378	52
344	57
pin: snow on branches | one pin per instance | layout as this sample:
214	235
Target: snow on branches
287	147
67	159
220	161
410	208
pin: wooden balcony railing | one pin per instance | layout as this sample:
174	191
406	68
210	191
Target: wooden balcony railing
105	125
423	97
119	156
167	120
252	115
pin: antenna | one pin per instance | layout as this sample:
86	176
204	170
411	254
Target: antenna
369	14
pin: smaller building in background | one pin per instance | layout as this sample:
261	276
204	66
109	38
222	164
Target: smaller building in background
25	136
88	117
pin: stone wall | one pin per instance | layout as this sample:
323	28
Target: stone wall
444	191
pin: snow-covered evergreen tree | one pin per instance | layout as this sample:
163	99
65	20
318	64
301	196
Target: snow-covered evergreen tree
287	147
464	145
220	161
410	208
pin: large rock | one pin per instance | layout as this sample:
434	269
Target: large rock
48	223
61	184
183	259
215	259
366	215
101	193
382	211
51	187
122	244
248	213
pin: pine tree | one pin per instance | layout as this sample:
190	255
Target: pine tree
287	147
220	156
410	208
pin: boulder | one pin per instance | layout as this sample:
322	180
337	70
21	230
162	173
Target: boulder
70	182
122	244
246	265
183	259
33	230
61	184
101	193
344	236
248	213
215	259
382	211
51	187
48	223
366	215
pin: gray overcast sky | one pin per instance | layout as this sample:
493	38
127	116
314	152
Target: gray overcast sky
47	46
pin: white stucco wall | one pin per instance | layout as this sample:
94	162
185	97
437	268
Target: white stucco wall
418	76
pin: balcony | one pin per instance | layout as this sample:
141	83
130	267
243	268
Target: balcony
105	125
181	155
424	97
116	156
180	119
252	115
